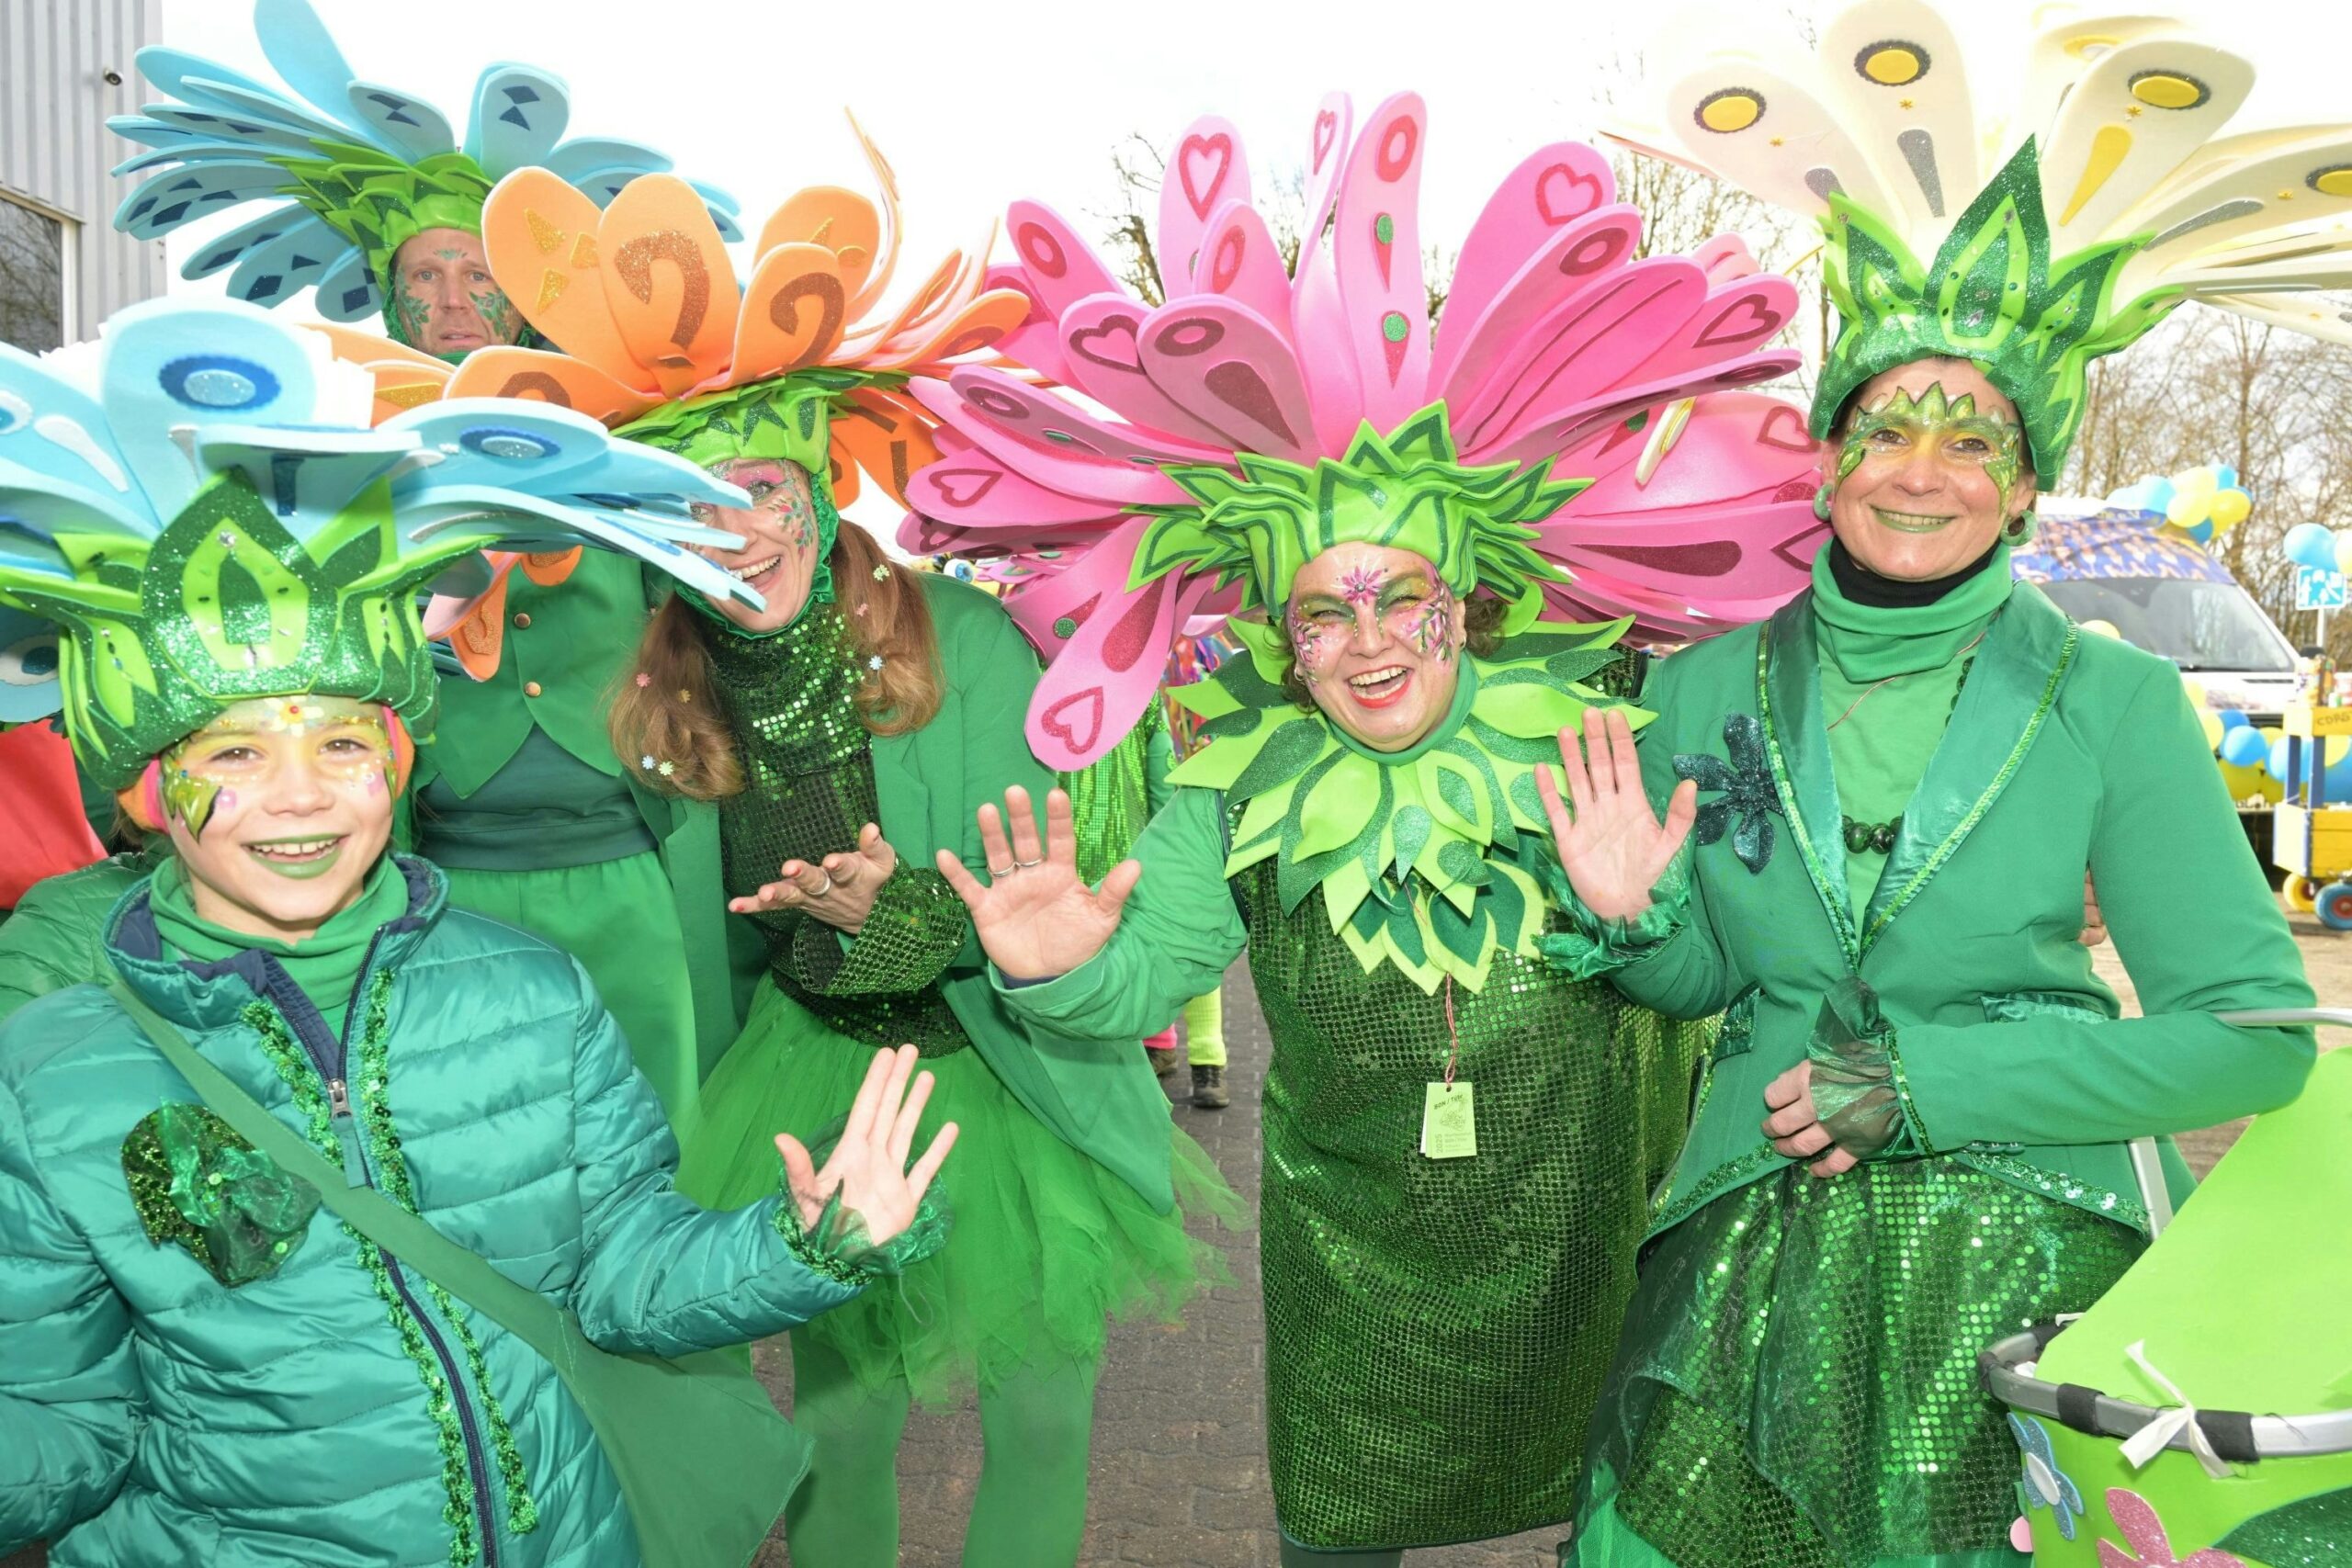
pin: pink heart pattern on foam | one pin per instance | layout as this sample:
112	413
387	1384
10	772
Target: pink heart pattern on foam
1118	335
1201	164
963	487
1562	194
1785	427
1080	737
1327	130
1744	318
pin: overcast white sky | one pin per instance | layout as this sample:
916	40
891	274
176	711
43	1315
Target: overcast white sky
978	103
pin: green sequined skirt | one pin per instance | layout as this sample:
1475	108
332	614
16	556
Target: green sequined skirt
1798	1388
1043	1245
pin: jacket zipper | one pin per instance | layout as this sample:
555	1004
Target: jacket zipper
354	1162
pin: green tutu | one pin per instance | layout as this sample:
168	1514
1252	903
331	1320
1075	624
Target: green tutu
1045	1244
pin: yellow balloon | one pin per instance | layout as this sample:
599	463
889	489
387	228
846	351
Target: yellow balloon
2230	508
2185	511
2197	481
2343	550
2104	628
2335	747
2213	731
2245	783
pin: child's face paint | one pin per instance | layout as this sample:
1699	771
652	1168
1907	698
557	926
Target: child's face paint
446	301
1376	633
1929	469
278	808
777	557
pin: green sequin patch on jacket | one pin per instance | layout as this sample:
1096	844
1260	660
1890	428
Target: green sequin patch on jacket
1427	858
198	1185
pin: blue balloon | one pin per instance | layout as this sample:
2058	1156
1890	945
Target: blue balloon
2235	718
2244	747
2224	477
2278	759
2311	545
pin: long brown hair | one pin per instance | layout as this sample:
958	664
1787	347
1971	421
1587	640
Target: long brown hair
667	707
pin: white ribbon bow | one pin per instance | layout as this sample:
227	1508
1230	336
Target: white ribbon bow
2157	1434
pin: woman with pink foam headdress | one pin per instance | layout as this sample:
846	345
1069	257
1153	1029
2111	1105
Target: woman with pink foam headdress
1449	539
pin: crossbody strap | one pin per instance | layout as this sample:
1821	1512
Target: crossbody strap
462	1272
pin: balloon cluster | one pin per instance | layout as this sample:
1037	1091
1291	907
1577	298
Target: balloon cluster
2317	545
2201	503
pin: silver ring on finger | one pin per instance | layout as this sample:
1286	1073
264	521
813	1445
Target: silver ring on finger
828	887
1029	864
1005	871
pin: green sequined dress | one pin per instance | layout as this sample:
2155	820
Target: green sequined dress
1437	1331
998	1298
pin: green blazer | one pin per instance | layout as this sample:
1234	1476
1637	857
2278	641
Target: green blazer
566	648
1101	1099
2063	752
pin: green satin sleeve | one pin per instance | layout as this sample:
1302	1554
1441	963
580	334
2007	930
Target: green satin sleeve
2198	929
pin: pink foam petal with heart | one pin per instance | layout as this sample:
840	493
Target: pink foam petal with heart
1098	338
1550	187
1113	483
1100	679
1320	327
1575	258
1233	370
1385	303
978	492
1728	450
1600	340
1059	424
1240	260
1539	434
1326	159
1036	342
1060	267
1743	314
1208	168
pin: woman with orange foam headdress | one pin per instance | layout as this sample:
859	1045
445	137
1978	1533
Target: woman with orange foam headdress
847	732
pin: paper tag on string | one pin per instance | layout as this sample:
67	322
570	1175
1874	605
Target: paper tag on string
1449	1122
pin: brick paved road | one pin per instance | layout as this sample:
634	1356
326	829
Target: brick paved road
1179	1475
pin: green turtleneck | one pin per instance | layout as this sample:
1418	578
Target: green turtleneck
325	964
1880	748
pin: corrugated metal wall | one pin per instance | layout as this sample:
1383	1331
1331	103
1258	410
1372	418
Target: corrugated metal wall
54	145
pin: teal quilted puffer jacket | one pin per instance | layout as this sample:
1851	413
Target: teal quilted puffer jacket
341	1410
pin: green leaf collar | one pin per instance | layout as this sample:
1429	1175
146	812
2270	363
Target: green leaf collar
1427	857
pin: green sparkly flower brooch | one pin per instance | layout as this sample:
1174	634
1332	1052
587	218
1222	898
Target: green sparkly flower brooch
195	1182
1748	793
1428	860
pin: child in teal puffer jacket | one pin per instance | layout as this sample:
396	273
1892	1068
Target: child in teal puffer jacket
199	1365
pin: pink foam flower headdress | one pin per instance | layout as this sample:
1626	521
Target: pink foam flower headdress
1568	438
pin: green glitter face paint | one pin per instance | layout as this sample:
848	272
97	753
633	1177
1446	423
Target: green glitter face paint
1900	426
444	300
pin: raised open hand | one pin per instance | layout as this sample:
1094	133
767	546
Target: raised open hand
1610	843
869	1163
839	890
1035	916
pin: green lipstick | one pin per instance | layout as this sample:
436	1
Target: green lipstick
301	870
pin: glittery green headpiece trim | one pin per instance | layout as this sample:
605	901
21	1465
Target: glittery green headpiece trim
1993	295
227	605
1405	489
789	418
380	203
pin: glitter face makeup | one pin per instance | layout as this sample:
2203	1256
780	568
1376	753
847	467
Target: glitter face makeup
1376	634
1930	467
278	808
778	557
447	301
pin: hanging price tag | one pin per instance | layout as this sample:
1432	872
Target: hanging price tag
1449	1124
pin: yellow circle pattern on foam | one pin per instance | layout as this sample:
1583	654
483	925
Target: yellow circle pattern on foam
1893	65
2166	90
1733	108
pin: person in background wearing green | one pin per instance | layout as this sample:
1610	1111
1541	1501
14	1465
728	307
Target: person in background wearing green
197	1364
519	799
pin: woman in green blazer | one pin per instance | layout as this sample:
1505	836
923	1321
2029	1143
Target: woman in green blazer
1913	1137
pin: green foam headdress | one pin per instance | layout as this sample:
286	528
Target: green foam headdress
210	521
2115	202
1406	491
366	167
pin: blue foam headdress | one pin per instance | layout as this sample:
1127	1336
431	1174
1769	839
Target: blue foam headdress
366	167
193	511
